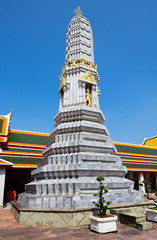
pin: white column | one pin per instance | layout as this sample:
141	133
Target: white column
64	96
140	180
75	88
94	97
83	93
98	94
2	184
71	86
78	89
60	103
68	94
80	92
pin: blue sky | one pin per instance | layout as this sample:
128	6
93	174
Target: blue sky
32	54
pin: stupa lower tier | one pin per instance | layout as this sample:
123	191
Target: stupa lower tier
78	152
76	193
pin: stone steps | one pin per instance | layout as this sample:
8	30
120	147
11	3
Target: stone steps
129	217
144	226
135	220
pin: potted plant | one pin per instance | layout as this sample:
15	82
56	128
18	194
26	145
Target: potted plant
147	187
102	222
151	213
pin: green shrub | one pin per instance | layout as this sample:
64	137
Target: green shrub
101	204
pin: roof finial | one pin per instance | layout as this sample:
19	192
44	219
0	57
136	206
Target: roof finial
78	11
12	111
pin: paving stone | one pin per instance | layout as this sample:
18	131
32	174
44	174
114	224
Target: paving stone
10	230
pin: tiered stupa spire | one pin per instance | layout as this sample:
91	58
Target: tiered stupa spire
80	72
80	148
79	39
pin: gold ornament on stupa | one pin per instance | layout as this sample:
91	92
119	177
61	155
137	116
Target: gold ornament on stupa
78	11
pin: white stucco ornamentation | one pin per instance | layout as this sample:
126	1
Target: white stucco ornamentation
79	71
79	39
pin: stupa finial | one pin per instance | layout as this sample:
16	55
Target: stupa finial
78	11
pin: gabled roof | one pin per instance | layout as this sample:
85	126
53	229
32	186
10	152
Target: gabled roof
152	142
24	148
20	148
137	157
4	127
4	162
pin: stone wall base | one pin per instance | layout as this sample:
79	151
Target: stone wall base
64	218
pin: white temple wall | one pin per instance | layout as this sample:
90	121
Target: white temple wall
2	185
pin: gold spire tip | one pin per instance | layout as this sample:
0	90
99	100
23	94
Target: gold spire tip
78	11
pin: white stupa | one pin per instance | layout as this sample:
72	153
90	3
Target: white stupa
80	148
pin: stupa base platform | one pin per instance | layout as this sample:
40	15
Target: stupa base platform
63	217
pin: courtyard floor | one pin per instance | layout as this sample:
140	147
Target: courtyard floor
10	230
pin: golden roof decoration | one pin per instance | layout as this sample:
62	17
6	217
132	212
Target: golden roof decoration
89	77
78	62
4	126
12	111
62	80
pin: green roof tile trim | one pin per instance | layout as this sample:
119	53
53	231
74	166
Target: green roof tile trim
144	159
139	165
22	160
1	121
27	138
21	150
130	149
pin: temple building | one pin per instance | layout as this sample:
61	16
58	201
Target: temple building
20	151
140	160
